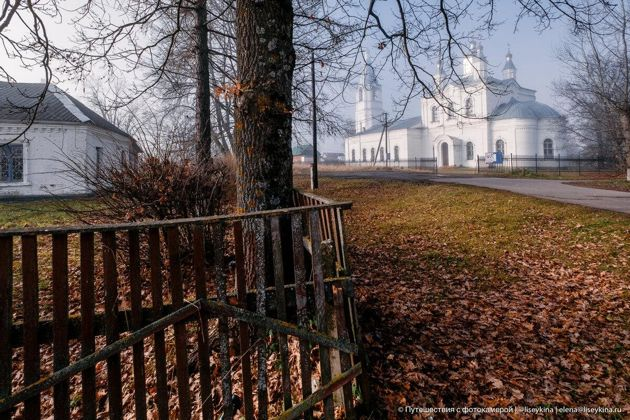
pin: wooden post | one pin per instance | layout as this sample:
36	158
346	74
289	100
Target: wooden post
300	300
139	384
201	291
322	316
30	292
110	280
241	292
61	358
6	315
281	309
88	342
155	258
181	354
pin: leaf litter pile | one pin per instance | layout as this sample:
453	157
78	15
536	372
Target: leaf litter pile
470	297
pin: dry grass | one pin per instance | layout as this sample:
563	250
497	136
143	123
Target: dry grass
471	297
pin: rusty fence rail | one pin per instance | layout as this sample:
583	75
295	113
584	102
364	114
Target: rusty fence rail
123	312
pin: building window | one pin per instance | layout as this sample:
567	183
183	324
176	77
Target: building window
353	156
548	148
470	151
468	108
360	94
382	154
372	155
11	163
434	114
500	146
396	154
99	160
364	155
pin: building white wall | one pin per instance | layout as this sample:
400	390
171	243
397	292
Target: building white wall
51	150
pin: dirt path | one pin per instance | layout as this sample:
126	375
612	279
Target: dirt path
542	188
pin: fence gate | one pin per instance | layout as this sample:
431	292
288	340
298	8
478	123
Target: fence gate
185	318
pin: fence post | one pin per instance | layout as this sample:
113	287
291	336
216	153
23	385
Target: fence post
558	164
511	164
536	161
477	164
579	165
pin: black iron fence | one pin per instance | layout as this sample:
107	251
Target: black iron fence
538	164
421	164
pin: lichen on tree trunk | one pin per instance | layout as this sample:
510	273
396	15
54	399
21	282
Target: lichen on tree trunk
263	113
625	129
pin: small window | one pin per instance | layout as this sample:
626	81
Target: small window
99	160
372	155
500	145
396	154
364	155
468	109
548	148
382	154
470	151
434	114
11	163
353	156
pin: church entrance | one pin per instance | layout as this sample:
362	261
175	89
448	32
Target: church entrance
444	154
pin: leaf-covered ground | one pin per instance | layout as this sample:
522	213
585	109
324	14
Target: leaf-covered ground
472	297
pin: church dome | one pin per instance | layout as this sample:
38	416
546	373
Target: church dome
530	110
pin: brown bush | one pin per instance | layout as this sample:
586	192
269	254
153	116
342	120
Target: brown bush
159	187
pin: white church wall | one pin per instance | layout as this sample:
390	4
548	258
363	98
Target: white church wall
551	129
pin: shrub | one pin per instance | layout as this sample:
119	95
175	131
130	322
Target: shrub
158	187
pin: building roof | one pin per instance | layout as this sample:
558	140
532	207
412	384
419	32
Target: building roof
303	150
532	110
17	101
398	125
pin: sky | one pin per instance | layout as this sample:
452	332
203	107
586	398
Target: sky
534	54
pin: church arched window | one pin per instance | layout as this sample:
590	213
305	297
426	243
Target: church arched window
382	154
396	153
364	155
354	156
500	146
434	114
468	108
470	151
372	155
360	94
548	148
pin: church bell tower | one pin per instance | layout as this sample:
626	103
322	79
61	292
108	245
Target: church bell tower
369	103
509	69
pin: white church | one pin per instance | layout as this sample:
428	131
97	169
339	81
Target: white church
478	115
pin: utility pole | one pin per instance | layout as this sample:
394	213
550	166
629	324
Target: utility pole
314	180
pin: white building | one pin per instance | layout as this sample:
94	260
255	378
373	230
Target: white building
64	133
479	114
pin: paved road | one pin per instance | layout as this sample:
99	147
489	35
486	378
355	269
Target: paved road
541	188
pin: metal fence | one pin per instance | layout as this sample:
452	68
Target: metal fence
538	164
421	164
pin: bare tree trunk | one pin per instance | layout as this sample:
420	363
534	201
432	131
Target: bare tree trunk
265	59
625	131
203	122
